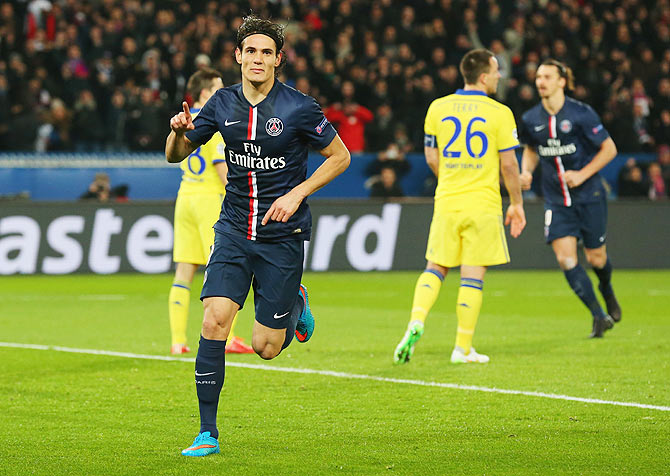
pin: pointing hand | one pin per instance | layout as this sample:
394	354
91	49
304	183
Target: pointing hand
182	122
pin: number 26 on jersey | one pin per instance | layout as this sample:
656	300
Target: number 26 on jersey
469	136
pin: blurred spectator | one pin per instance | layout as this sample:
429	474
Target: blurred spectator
23	127
380	131
4	110
632	182
662	128
662	100
350	119
146	123
664	162
645	141
115	123
99	189
55	133
523	100
391	157
657	190
402	140
640	97
88	130
386	185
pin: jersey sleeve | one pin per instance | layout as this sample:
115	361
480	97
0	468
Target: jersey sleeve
205	122
313	125
508	137
218	147
592	127
429	129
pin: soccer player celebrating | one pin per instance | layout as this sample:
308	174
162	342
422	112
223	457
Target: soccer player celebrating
573	144
264	221
469	139
203	186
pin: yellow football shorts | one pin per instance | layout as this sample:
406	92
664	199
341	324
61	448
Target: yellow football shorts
467	237
194	217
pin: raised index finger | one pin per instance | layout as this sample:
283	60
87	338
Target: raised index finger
187	111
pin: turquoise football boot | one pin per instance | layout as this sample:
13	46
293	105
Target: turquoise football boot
203	445
305	327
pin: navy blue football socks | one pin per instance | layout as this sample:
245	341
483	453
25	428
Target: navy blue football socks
605	276
295	315
210	369
581	284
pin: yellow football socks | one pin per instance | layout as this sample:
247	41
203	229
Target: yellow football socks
425	293
178	303
468	305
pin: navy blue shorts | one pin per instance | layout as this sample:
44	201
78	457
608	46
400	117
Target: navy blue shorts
273	268
586	221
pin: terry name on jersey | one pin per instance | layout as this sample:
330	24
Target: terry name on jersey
252	158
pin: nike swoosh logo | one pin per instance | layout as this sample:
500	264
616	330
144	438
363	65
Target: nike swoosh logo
279	317
539	128
202	375
230	123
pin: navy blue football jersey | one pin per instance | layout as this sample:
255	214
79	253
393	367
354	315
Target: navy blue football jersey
266	151
567	141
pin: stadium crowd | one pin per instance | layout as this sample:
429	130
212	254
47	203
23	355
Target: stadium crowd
95	75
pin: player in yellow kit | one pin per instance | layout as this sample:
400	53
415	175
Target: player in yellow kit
197	209
469	139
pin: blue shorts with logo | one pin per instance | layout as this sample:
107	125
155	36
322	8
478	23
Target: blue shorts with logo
273	268
586	221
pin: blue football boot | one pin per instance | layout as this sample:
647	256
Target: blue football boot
203	445
305	327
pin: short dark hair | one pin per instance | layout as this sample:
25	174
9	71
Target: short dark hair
201	79
563	71
475	63
253	25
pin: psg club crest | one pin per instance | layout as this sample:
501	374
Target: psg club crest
566	126
274	126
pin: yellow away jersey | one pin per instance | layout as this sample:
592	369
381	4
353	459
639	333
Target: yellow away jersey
199	174
469	129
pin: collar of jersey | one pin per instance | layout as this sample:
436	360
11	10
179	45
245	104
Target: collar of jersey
270	93
194	110
470	92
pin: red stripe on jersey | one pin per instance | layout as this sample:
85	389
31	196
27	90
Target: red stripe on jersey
251	206
561	180
567	200
251	122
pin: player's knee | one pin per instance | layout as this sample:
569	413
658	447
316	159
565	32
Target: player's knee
264	347
210	327
566	262
215	314
597	260
215	322
266	351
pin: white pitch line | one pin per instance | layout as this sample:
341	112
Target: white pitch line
330	373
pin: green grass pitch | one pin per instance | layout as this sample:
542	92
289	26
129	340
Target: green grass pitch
64	413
